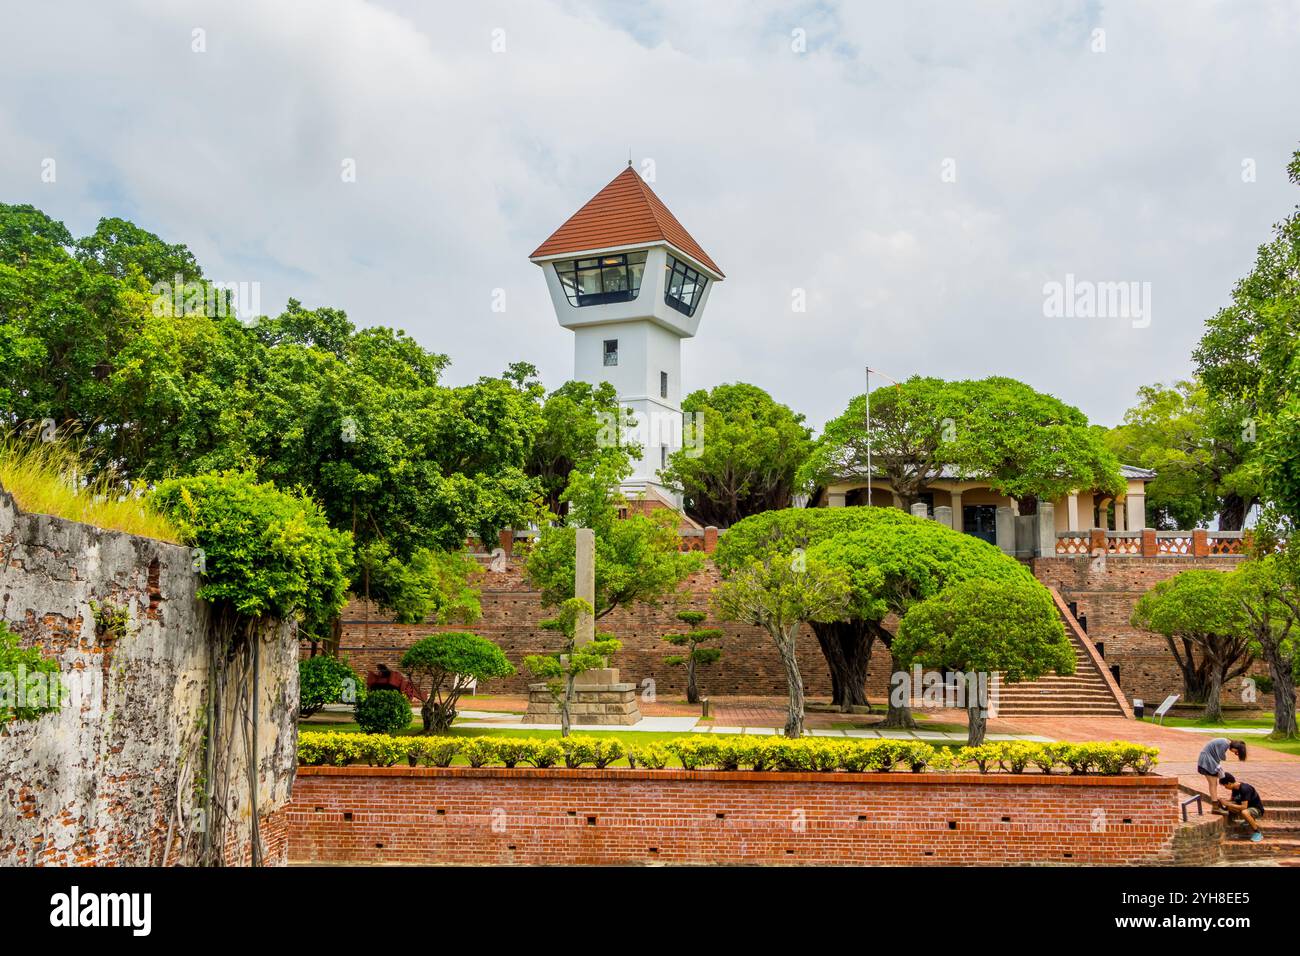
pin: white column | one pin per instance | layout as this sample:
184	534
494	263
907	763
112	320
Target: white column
956	512
1072	511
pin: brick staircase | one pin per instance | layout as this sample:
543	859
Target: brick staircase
1089	692
1281	843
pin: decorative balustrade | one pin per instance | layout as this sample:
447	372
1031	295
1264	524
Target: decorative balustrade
1197	543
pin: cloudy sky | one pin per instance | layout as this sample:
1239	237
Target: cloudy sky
916	172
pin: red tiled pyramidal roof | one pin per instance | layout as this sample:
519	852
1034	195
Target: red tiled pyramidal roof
624	213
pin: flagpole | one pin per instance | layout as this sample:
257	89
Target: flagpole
869	501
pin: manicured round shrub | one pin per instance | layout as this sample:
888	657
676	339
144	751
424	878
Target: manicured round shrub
326	680
384	712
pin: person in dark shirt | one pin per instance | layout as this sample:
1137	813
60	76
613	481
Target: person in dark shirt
1243	804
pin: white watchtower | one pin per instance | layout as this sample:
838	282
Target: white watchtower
631	283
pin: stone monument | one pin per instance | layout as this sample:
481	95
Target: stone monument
599	698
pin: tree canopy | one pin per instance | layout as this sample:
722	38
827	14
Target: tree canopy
1024	443
119	338
984	627
1249	361
637	556
751	450
1205	628
1199	455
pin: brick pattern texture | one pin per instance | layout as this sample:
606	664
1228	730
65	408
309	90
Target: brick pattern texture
1106	595
461	815
512	615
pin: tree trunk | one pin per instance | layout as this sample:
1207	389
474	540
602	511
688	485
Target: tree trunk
1028	505
1232	512
1213	693
564	704
976	719
426	713
846	645
785	645
1284	723
901	715
692	692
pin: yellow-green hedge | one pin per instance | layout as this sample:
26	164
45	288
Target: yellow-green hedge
703	752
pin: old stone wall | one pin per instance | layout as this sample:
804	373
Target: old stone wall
512	615
112	775
1106	593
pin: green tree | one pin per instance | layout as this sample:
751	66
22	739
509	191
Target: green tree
1264	590
443	666
846	643
326	680
780	595
751	449
1205	628
581	424
562	668
910	438
638	558
1029	445
1249	360
1200	459
983	627
893	565
697	655
264	556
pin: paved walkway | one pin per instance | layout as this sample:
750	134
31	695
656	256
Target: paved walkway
684	725
1276	775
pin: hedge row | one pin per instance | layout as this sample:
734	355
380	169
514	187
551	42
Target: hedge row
811	754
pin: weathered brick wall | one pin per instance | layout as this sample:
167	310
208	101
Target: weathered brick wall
512	613
495	816
1107	593
97	782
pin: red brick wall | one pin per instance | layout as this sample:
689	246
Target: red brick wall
512	613
1107	594
496	816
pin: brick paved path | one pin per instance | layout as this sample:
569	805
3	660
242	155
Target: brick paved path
1276	775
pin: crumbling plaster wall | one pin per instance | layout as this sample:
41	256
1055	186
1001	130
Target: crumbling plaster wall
110	779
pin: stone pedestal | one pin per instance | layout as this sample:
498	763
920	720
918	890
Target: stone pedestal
599	698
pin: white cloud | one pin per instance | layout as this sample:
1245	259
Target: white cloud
819	170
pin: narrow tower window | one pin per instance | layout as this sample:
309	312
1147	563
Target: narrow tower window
611	351
663	384
684	288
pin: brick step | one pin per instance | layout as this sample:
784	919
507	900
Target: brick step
1033	690
1053	709
1058	699
1241	850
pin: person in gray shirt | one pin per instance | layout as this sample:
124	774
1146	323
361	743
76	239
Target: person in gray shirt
1210	762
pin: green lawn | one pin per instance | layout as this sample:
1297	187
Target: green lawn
1247	722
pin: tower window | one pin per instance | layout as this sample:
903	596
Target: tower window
663	456
663	384
611	351
615	278
684	288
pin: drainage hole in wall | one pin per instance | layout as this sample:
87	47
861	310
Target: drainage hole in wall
347	814
862	818
440	812
952	824
1006	819
720	816
591	821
